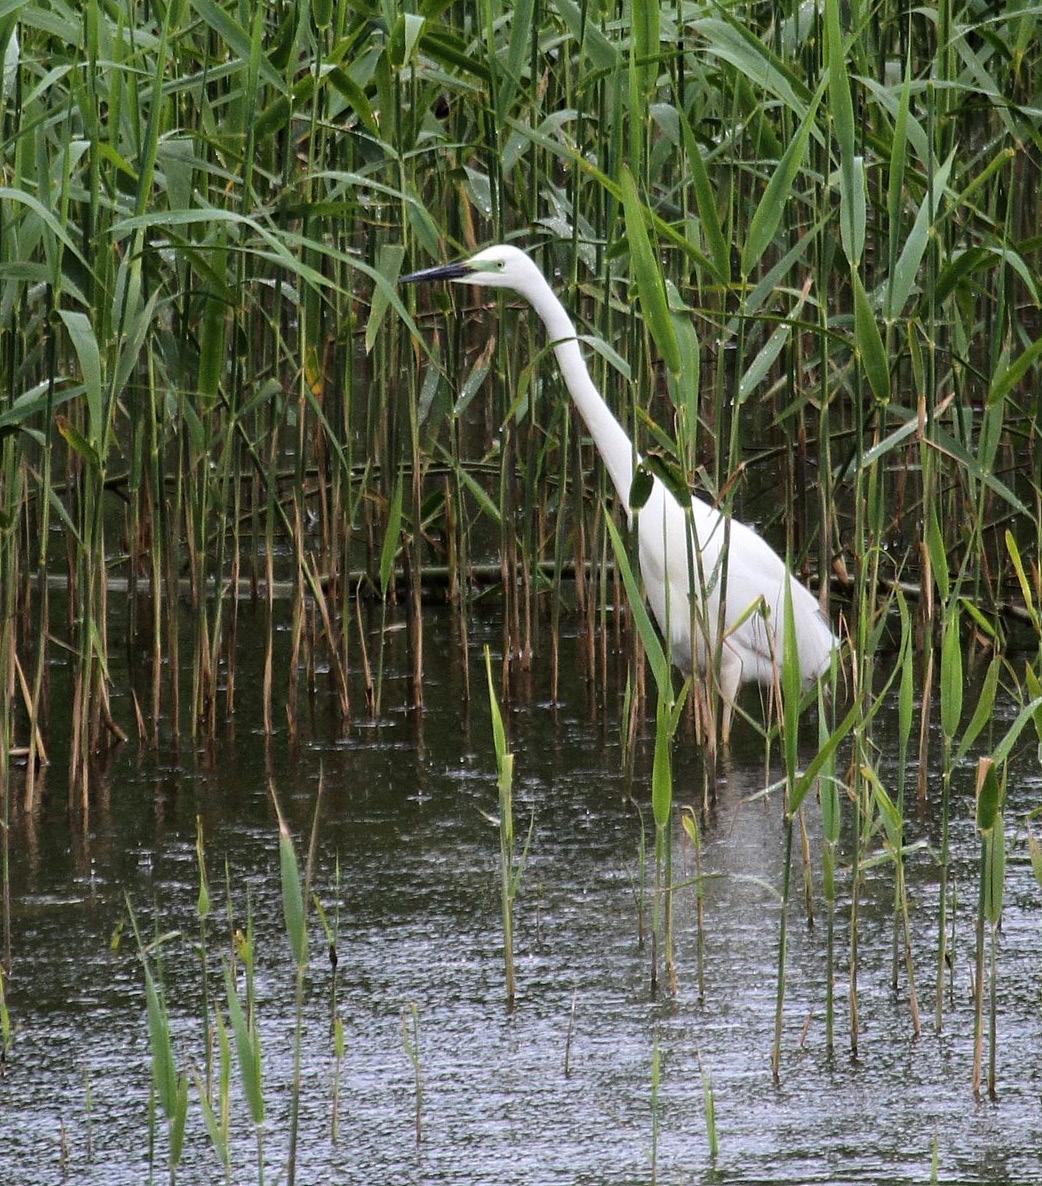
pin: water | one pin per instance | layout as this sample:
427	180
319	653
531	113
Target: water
560	1091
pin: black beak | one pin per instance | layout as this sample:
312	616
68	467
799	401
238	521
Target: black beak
442	272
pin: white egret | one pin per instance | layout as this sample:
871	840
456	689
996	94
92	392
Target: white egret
755	577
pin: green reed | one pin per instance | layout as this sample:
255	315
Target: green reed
246	1037
511	865
214	393
689	822
990	798
169	1087
6	1036
295	895
669	707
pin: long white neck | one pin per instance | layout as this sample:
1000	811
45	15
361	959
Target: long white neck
608	434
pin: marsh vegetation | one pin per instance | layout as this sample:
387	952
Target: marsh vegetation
801	243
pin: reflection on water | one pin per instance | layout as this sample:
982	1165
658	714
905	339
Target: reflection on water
405	817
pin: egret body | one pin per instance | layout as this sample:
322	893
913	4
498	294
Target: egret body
755	576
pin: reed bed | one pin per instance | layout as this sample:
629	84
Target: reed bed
802	241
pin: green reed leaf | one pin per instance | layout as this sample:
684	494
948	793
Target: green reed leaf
989	798
479	494
518	51
906	271
684	385
322	13
585	32
760	366
893	825
936	551
645	33
641	487
1030	713
730	40
1035	854
405	38
828	795
982	714
389	264
1005	380
768	215
705	200
52	224
356	100
37	399
213	354
990	433
641	618
898	163
235	36
662	765
78	442
178	1120
647	274
475	379
1035	692
870	346
994	872
81	334
851	167
951	672
212	1123
499	735
826	754
292	897
946	443
164	1072
1013	551
202	905
247	1047
392	537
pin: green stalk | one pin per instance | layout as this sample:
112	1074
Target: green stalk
509	871
951	711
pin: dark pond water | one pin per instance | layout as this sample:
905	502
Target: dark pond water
561	1090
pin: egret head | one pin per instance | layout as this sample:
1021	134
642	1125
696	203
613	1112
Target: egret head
500	266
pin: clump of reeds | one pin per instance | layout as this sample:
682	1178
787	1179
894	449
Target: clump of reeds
213	391
798	248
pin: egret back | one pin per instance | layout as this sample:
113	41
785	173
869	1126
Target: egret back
676	557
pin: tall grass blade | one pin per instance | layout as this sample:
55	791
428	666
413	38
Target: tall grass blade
648	277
